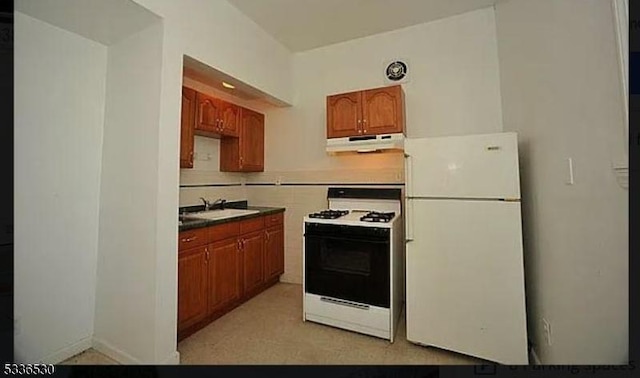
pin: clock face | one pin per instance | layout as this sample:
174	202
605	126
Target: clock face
396	70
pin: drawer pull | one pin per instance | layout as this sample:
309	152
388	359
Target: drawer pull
186	240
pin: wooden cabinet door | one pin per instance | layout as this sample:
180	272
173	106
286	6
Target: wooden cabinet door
192	286
245	153
383	110
274	251
252	141
187	123
344	115
229	119
253	263
224	273
207	113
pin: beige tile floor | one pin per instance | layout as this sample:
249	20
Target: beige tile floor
268	329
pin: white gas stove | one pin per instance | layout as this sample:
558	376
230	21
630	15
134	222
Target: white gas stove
353	261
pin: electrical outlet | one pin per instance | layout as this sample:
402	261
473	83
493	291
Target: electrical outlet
546	327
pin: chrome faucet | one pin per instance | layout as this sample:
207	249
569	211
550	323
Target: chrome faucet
220	201
207	204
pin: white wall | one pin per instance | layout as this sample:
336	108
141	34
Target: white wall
561	93
126	290
137	323
59	115
220	36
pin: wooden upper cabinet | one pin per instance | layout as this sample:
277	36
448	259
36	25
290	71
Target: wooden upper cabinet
383	110
245	153
252	141
207	113
192	286
216	117
187	124
241	131
368	112
229	119
343	114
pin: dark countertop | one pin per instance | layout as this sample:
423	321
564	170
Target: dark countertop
198	223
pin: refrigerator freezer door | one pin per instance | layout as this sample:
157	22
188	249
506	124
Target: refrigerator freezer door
465	279
470	166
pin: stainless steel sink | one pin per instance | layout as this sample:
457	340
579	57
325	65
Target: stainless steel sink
218	214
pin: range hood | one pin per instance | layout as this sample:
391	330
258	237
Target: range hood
366	143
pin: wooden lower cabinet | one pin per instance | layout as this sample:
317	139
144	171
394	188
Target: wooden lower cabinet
232	263
192	286
274	252
224	274
253	256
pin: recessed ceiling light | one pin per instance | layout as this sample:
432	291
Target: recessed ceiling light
227	85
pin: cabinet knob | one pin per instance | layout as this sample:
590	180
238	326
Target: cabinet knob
266	235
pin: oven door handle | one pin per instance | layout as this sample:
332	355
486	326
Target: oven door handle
347	239
344	303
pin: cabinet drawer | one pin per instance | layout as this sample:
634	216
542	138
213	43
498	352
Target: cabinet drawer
223	231
274	219
192	238
250	225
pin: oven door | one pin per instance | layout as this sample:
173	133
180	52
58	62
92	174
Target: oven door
348	262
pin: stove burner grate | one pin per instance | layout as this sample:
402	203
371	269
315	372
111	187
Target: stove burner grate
329	214
376	216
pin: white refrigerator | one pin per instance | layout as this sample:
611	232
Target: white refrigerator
464	257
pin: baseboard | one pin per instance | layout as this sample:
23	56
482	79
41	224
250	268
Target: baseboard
68	352
534	357
173	359
114	353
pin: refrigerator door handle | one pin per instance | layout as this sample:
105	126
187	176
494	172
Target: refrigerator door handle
408	202
409	220
409	174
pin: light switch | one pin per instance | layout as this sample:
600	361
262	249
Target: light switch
569	180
